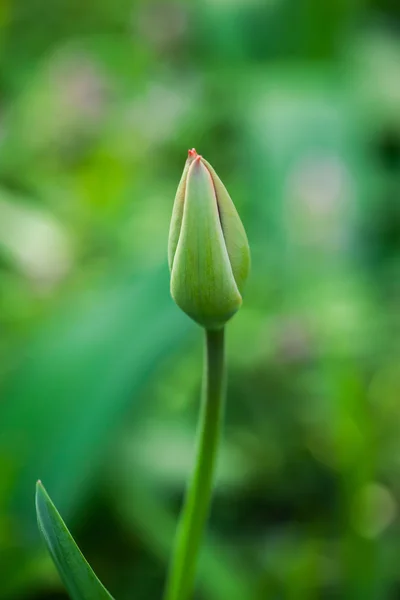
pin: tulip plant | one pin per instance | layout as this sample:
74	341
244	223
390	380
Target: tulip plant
209	260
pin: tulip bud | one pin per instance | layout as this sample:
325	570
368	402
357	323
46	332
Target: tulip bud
208	252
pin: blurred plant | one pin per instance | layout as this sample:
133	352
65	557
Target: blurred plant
209	259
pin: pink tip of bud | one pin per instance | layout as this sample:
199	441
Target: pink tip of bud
192	153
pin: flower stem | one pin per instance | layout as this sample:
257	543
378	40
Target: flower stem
182	572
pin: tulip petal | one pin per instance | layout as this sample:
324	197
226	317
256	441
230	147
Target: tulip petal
202	282
177	213
234	234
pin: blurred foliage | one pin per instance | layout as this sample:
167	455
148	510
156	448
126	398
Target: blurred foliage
296	104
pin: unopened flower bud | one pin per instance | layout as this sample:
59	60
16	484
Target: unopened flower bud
208	252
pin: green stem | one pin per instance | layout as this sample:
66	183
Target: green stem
182	572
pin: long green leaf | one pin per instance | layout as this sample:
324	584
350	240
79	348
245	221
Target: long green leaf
75	572
84	366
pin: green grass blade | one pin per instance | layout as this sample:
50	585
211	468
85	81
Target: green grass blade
75	572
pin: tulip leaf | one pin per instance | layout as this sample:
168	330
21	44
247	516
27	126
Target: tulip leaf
74	570
93	352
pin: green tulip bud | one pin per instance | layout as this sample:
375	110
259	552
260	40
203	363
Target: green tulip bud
208	251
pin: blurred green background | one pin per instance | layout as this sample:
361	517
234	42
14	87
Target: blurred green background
296	103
